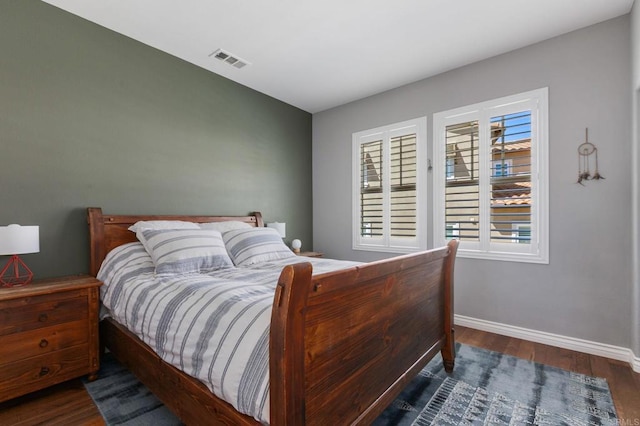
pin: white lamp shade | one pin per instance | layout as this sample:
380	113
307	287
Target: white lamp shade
16	239
280	227
296	244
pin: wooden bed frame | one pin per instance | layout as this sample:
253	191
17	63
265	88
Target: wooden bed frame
342	344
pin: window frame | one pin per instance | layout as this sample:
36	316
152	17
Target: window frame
386	243
535	101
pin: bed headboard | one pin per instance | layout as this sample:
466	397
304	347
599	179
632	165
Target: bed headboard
109	231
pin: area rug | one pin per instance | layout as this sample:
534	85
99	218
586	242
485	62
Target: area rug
486	388
491	388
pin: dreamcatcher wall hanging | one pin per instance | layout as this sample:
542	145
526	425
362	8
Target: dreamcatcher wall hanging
587	157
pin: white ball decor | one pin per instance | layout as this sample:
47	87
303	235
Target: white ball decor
295	245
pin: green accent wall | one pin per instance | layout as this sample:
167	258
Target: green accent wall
89	117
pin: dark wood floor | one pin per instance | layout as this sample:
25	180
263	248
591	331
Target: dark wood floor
69	404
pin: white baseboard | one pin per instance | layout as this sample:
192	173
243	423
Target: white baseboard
579	345
636	364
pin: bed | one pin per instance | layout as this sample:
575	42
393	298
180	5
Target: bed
341	344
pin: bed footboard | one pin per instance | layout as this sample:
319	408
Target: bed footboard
344	344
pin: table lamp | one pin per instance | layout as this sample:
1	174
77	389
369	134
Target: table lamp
280	227
15	240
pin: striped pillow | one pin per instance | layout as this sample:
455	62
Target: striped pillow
185	251
249	246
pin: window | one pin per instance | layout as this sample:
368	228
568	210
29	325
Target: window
501	167
490	178
451	164
521	233
452	231
389	193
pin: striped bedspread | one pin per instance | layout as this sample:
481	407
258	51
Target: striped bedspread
214	327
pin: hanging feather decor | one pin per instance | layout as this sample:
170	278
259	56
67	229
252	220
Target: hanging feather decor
587	152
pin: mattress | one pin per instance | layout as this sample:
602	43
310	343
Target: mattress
214	326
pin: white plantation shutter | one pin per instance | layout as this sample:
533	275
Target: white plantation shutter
462	196
490	178
371	197
403	175
511	164
388	201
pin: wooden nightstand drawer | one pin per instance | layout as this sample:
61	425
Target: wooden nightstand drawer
48	333
38	372
17	346
30	313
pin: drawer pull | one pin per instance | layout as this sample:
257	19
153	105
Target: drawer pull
43	317
44	371
44	343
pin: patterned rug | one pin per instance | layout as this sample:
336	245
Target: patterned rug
490	388
486	388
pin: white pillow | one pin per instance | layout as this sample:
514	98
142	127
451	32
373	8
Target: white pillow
122	258
225	226
162	224
254	245
185	251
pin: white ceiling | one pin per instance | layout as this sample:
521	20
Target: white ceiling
320	54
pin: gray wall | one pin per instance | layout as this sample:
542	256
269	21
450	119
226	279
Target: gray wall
92	118
585	291
635	44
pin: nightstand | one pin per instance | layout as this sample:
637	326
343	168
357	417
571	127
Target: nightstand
48	333
310	254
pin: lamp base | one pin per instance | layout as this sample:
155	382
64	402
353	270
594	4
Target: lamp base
15	273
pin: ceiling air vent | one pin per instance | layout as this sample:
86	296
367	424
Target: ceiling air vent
229	58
